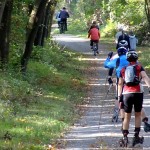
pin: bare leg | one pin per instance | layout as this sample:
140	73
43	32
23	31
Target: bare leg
127	117
137	119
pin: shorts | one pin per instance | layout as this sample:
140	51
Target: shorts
133	99
91	42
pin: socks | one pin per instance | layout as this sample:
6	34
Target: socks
137	130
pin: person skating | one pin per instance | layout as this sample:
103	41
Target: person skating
124	37
132	95
133	40
118	62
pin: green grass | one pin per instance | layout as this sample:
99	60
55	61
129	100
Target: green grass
36	109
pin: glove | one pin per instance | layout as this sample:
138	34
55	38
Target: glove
110	55
110	81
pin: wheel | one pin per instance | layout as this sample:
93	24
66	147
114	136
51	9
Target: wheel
62	28
95	48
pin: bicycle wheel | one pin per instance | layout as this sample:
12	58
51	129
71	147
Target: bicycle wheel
62	28
95	48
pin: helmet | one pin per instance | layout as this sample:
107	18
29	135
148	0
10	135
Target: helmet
123	43
121	51
132	56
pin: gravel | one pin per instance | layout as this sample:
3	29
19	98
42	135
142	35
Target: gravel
95	130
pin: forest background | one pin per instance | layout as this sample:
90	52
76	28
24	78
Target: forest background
39	78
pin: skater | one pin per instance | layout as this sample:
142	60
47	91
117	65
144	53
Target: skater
122	43
118	34
124	37
58	18
133	41
132	95
118	63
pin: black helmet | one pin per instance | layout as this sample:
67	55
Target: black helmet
123	43
132	56
121	51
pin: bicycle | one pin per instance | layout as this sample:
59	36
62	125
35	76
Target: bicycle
95	48
62	27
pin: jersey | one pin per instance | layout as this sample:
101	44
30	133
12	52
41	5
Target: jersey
113	63
94	34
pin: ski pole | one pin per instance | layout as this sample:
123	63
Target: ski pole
103	102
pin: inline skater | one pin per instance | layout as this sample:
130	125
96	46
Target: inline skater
118	63
129	86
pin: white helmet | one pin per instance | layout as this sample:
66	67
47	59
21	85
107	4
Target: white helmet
132	56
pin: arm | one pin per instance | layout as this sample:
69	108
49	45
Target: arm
120	86
99	35
88	34
137	41
110	63
145	78
68	15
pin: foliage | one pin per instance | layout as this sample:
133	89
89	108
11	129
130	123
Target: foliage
37	108
108	30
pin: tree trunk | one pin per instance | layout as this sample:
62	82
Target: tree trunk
52	10
38	39
5	31
32	28
46	23
2	6
147	10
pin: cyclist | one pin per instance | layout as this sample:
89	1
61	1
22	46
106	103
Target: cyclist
94	35
132	96
58	18
63	16
94	23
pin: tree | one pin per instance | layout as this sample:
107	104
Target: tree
2	6
32	28
46	22
147	10
6	12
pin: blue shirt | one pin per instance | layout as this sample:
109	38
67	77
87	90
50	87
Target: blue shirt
113	64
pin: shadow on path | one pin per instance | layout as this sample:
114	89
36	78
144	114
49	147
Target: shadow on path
95	130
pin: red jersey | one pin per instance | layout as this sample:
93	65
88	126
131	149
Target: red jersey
136	88
94	34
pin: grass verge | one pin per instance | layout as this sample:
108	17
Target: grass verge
37	108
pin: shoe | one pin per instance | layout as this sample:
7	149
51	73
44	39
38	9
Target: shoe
123	142
110	81
137	140
97	52
146	127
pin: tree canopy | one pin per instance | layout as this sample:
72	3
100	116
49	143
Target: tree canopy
29	21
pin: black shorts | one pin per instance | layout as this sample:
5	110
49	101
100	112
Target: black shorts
133	99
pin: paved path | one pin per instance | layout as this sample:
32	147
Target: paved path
95	130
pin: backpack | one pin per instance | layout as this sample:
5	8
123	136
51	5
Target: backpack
131	77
